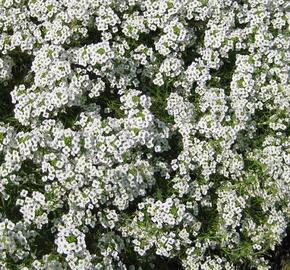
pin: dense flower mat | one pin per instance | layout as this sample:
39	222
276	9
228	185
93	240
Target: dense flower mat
143	134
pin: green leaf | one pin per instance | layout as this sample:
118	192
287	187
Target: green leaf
176	30
1	136
170	5
50	7
68	140
71	239
101	51
240	83
39	212
24	139
135	99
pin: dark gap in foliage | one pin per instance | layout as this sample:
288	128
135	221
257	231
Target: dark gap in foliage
69	116
2	156
191	52
167	263
149	38
30	176
242	142
208	216
93	36
176	146
260	119
222	77
130	257
44	241
10	262
163	188
35	20
255	211
6	106
9	209
264	117
107	100
281	252
22	64
92	236
254	166
110	104
159	95
194	97
218	180
29	168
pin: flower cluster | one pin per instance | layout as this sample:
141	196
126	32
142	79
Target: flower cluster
136	134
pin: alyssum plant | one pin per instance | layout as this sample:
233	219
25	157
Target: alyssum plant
143	134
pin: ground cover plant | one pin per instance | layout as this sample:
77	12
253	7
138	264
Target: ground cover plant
143	134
